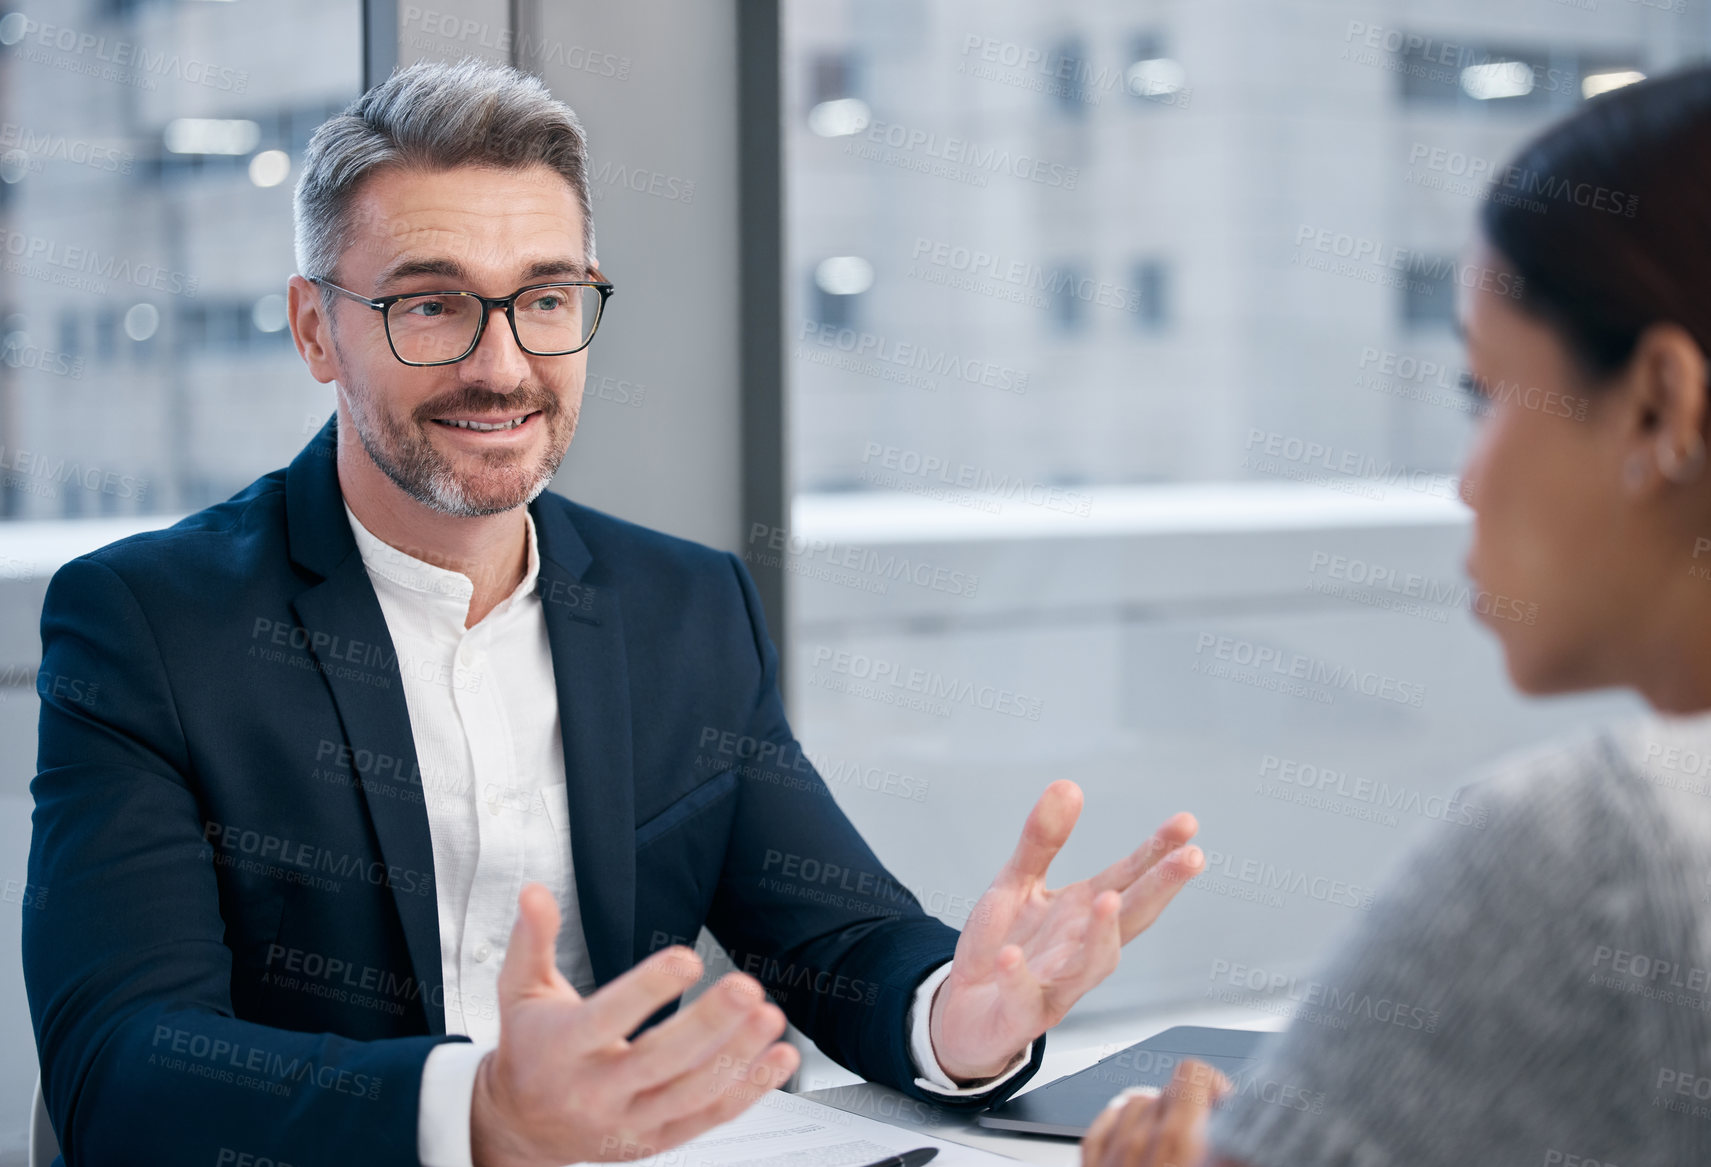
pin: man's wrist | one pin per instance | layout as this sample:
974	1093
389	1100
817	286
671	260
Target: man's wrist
493	1140
966	1078
963	1076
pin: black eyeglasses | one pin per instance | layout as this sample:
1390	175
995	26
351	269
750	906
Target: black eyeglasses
442	328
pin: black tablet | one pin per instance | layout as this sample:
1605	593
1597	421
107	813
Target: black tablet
1068	1106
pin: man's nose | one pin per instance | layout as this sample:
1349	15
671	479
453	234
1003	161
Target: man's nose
497	359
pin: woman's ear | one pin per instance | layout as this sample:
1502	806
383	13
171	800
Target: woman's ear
1665	401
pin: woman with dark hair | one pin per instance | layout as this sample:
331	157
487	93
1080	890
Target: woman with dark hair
1538	990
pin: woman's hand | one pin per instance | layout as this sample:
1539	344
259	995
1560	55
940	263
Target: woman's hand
1147	1127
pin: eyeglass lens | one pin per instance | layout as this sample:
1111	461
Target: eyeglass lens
442	326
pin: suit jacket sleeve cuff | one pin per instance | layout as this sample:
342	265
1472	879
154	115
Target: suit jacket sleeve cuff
933	1077
448	1087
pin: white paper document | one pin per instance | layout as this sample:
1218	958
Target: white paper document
785	1130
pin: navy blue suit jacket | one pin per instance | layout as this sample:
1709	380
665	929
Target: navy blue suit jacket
236	942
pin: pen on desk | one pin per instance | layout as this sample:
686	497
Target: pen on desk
916	1158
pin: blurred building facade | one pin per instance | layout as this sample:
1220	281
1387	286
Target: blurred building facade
147	154
1106	242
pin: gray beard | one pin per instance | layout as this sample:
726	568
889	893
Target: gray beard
406	456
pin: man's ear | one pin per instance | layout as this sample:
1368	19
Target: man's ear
311	329
1664	395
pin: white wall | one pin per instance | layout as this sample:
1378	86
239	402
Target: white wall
655	85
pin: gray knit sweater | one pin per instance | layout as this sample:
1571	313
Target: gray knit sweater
1532	991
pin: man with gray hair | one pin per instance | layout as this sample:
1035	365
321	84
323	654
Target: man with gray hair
409	785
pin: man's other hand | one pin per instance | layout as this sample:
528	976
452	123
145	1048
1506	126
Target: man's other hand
567	1084
1028	953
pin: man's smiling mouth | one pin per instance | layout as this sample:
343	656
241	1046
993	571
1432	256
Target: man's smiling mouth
485	425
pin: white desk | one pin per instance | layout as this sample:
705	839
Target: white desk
1070	1048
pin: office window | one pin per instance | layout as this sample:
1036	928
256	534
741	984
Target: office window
832	78
1068	66
106	332
1151	305
1069	309
149	213
70	333
1429	293
1152	382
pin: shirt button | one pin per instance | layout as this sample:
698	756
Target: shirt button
482	952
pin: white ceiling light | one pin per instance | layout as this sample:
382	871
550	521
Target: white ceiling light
268	313
141	321
840	118
844	275
212	135
270	167
1595	83
1498	79
1156	77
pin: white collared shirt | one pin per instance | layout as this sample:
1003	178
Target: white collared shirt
484	717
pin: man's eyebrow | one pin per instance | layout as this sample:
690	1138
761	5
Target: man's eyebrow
421	266
567	268
543	269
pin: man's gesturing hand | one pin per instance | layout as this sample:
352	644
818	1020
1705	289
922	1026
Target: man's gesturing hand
1028	953
566	1084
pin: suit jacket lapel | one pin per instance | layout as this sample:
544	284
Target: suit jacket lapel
345	624
585	628
347	634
